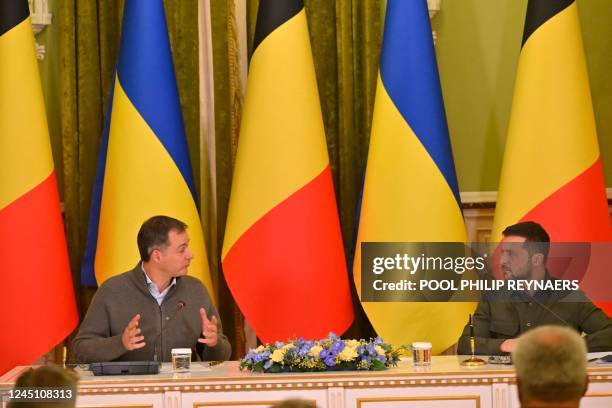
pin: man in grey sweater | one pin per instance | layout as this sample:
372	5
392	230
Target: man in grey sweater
144	313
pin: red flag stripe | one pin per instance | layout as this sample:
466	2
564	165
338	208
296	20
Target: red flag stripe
296	249
568	202
38	308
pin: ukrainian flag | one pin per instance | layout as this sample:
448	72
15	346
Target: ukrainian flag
144	168
410	192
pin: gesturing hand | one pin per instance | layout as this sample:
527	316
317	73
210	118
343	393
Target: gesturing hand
209	329
130	338
508	345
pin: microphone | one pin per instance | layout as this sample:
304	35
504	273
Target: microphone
473	361
549	310
180	305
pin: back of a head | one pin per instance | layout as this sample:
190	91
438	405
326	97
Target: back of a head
48	376
295	403
550	364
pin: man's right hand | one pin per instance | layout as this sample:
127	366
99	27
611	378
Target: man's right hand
130	338
508	345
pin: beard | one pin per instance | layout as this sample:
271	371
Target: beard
523	273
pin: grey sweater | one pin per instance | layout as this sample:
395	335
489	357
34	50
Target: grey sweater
174	324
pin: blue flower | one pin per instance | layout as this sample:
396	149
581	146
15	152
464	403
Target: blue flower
330	361
267	364
332	336
337	346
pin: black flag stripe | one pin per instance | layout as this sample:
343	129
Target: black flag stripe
12	12
540	11
272	14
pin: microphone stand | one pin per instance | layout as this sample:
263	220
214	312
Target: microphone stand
473	361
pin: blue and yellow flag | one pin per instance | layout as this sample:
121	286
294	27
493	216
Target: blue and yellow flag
143	164
410	192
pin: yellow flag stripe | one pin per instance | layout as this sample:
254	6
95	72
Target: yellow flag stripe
551	136
282	140
25	152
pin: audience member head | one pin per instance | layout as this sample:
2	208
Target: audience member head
550	364
295	403
47	376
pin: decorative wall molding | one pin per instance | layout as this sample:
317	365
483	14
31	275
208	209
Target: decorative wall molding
490	197
40	16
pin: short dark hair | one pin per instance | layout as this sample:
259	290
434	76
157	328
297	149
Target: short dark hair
551	364
153	234
50	376
533	233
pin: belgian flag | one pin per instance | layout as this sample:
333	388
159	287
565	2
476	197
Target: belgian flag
552	172
37	306
283	257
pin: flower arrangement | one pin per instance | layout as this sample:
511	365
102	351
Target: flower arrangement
328	354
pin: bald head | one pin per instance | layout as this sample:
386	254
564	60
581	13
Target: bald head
550	364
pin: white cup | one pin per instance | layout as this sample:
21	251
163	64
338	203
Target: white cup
421	353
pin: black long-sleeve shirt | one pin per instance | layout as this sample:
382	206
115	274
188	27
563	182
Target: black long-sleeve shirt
507	317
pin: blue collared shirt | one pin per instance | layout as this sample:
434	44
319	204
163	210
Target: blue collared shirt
154	290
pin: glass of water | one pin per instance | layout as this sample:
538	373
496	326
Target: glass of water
181	359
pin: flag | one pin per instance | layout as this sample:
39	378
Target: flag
283	257
410	191
37	305
552	172
143	164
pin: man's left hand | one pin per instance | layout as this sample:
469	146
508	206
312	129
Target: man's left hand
209	329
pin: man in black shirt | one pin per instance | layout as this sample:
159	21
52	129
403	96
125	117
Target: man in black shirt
498	323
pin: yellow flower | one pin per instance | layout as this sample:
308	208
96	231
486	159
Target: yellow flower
278	355
348	353
352	343
288	346
315	350
379	350
260	349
